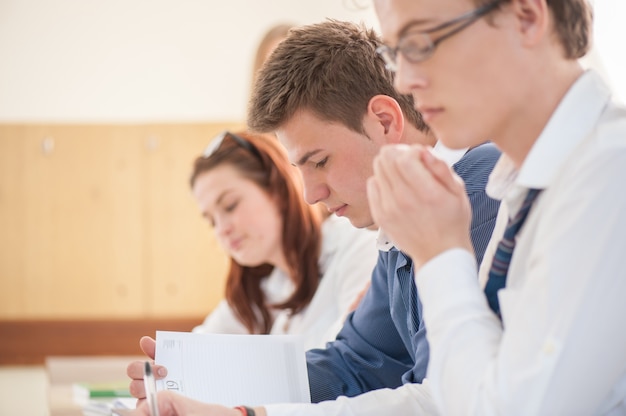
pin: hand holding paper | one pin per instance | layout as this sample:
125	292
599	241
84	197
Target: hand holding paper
234	369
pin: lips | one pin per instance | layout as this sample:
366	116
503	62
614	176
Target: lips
235	244
429	113
339	211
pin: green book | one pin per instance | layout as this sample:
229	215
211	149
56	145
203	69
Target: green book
101	390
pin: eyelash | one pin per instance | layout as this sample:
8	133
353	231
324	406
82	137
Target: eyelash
321	163
228	209
231	207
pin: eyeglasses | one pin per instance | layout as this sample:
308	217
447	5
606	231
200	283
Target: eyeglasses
216	143
418	46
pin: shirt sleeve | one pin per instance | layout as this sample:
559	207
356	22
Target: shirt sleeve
368	353
563	348
409	399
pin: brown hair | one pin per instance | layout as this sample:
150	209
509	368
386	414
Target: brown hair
573	22
266	164
331	69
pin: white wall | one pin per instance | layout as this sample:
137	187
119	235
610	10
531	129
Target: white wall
140	60
174	60
610	34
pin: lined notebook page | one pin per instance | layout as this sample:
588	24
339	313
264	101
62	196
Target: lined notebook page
234	369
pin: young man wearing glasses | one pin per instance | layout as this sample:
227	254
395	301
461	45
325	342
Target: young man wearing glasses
326	93
547	336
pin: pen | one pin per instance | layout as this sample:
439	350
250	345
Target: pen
150	385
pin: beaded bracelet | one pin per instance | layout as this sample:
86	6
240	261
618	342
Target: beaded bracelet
245	410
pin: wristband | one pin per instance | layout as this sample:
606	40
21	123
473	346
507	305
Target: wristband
245	410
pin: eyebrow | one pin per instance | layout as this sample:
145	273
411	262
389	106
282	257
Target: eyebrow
305	157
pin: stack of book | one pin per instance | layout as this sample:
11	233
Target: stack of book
101	398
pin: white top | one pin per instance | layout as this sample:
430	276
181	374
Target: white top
347	259
564	348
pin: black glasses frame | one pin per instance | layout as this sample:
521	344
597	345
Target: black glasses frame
415	54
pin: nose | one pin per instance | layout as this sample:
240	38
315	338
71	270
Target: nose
408	77
315	190
222	226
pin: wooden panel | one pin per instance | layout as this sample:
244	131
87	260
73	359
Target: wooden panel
98	222
12	223
31	341
187	267
79	217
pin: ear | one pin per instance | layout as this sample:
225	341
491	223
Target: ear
533	18
384	118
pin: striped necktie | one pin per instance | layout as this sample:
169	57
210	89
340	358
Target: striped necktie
504	252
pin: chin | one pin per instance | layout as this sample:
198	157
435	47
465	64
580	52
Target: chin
457	140
245	262
362	223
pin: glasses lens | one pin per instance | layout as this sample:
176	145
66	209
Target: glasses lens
416	47
388	55
214	145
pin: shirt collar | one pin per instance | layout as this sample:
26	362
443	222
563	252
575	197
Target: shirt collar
383	242
450	156
570	123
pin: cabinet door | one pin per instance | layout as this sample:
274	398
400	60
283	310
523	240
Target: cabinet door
98	221
72	207
187	267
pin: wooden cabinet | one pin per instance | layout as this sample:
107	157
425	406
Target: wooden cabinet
97	221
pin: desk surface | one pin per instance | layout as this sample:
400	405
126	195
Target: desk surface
63	371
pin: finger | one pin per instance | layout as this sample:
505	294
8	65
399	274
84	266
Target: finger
148	346
142	409
414	175
404	167
391	178
139	402
442	172
383	166
137	389
135	370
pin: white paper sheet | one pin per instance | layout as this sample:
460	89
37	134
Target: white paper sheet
234	370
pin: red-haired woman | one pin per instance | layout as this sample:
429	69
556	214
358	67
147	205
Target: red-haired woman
290	272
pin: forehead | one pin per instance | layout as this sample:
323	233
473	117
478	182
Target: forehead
305	133
395	16
219	179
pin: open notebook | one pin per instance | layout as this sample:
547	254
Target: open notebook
234	369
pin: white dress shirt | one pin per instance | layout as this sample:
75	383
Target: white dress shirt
347	259
563	347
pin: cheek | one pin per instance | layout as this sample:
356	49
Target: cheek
274	223
266	220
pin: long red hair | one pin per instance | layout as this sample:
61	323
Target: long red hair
265	163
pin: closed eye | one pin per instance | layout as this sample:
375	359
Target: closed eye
321	163
231	207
